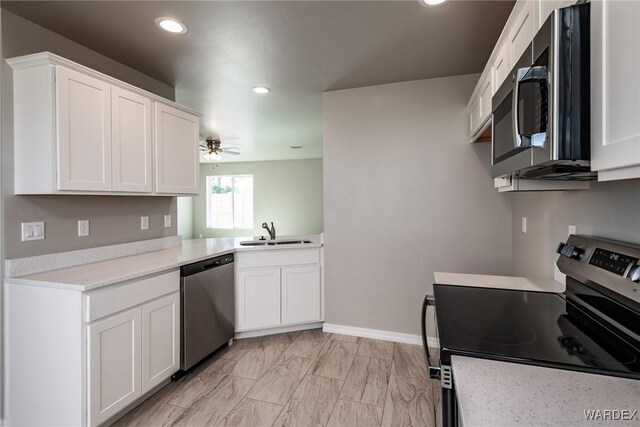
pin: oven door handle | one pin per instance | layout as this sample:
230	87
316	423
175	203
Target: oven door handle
433	364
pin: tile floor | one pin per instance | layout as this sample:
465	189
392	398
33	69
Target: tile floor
307	378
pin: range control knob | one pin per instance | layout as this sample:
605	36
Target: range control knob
634	274
570	251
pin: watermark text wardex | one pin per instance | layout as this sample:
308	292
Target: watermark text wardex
610	415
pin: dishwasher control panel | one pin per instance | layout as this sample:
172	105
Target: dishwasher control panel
197	267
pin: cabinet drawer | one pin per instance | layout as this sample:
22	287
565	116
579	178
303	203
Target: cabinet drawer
272	258
102	303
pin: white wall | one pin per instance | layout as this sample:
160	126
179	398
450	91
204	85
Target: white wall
405	194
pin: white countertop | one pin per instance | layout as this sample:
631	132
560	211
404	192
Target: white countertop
97	274
492	393
499	282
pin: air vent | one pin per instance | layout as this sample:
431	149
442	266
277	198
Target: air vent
295	147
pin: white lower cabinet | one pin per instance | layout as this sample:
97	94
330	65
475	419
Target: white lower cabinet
160	340
278	288
130	353
258	298
114	365
301	294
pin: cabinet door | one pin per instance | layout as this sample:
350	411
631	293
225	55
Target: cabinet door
160	340
615	89
83	106
113	365
486	93
522	32
501	67
176	135
131	141
258	298
301	294
474	116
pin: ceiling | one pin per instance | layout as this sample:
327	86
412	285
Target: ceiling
297	48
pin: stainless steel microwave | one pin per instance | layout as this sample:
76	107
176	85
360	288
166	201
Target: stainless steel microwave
541	113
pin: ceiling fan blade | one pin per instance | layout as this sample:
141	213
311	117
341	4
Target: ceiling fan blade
233	153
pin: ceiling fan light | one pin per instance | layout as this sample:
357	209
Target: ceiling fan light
207	156
217	157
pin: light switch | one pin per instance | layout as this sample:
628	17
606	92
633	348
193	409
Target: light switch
167	221
144	223
524	224
32	231
572	230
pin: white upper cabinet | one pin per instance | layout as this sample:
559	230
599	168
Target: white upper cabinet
84	131
131	141
486	92
522	31
177	158
501	67
480	109
615	89
474	116
78	131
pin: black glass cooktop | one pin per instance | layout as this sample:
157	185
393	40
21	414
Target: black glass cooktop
529	327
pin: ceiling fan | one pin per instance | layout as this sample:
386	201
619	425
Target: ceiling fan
213	151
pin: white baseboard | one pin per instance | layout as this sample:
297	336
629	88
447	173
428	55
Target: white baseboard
378	334
278	330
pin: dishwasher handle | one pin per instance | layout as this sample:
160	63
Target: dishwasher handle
207	264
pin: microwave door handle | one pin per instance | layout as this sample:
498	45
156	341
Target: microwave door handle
517	78
433	364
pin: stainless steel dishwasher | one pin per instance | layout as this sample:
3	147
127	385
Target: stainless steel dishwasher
208	308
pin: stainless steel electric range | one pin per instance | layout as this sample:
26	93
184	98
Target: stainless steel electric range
593	327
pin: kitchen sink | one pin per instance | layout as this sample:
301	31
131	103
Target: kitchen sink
273	242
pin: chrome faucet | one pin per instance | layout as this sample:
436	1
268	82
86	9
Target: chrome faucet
272	231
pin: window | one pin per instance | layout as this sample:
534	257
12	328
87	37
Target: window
230	201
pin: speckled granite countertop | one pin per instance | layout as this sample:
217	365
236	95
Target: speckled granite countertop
492	393
499	282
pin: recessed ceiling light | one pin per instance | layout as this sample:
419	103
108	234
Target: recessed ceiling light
261	89
171	25
295	147
432	2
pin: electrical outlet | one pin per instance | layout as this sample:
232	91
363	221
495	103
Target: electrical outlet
524	224
167	221
144	223
83	227
572	230
32	231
